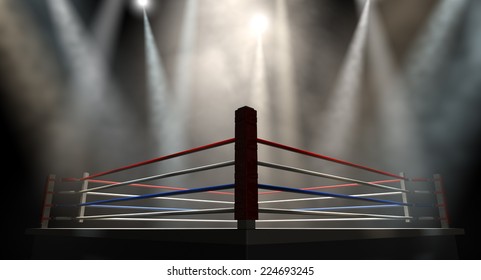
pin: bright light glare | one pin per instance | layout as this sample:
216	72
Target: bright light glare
259	24
143	3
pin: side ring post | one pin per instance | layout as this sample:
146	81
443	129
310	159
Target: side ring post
83	197
47	202
404	196
246	194
441	200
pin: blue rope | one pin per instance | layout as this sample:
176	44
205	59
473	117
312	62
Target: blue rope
350	207
164	194
293	190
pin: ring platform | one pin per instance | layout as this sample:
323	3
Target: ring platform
318	244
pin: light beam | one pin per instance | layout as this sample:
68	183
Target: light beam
157	89
107	25
430	50
399	136
338	121
92	99
183	73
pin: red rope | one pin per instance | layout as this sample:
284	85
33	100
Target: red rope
311	154
139	185
162	158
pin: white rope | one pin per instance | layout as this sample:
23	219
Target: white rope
321	220
168	220
322	198
324	175
328	213
162	213
423	192
163	198
427	218
161	176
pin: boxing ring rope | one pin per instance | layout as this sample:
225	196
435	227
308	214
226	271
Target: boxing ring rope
332	195
163	176
163	158
319	156
319	174
337	186
326	197
168	198
247	208
132	185
189	191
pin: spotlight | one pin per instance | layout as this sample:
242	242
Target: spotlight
259	24
139	7
143	3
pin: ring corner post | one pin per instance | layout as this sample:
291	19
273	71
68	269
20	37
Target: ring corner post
246	175
47	202
441	200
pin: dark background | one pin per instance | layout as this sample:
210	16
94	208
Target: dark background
26	160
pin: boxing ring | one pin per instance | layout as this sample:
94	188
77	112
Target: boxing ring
246	210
